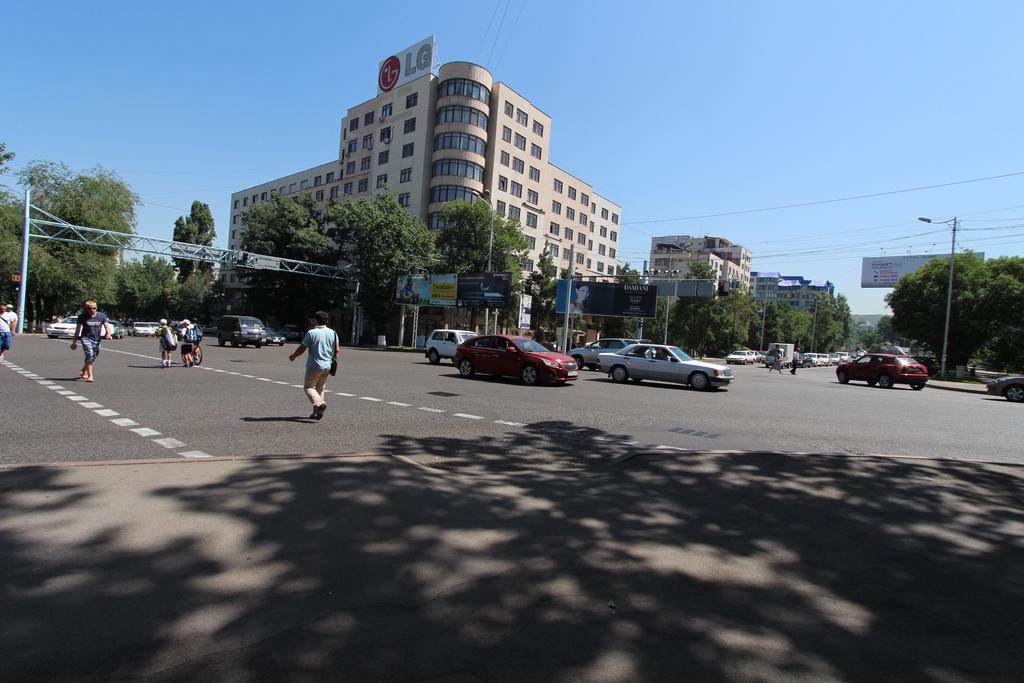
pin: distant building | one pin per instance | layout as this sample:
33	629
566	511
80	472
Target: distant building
731	262
795	290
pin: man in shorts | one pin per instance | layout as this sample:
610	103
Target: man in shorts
92	328
8	324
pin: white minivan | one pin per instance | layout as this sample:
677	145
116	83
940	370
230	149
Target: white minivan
442	344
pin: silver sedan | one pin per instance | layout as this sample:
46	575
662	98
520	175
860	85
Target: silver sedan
663	364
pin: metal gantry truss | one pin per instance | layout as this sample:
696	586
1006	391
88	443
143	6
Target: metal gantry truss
53	228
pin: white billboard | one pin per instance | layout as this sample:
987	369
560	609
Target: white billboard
406	65
886	271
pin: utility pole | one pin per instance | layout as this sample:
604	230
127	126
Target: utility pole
764	315
23	289
949	300
640	329
568	300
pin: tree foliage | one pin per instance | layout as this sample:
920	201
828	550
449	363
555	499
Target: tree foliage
195	228
146	288
5	157
542	285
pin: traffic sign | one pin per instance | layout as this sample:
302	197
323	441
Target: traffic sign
15	278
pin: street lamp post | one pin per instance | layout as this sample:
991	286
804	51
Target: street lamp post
949	289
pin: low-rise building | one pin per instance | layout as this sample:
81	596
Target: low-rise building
675	253
795	290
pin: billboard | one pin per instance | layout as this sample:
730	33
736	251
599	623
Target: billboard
525	310
886	271
426	290
491	290
608	298
406	65
699	289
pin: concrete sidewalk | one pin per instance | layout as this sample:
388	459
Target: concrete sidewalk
660	566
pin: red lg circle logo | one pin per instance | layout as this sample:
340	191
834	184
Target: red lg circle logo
389	72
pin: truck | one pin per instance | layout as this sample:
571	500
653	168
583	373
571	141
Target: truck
785	351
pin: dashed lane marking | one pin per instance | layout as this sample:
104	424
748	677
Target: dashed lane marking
107	412
370	398
430	410
124	422
400	404
76	398
510	424
168	442
91	405
65	392
342	393
467	416
194	454
145	431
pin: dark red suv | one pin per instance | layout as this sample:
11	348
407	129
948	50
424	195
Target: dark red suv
518	357
885	370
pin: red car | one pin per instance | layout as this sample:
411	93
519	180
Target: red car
518	357
885	370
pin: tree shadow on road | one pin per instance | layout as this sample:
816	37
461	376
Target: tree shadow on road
550	553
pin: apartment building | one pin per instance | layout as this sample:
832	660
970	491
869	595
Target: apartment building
451	134
731	262
798	292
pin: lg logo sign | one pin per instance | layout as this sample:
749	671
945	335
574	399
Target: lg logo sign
405	66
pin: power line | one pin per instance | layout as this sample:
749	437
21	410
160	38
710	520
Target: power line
498	32
483	38
828	201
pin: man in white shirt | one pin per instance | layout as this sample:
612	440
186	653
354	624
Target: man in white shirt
8	324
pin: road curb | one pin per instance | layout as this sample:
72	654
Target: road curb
963	390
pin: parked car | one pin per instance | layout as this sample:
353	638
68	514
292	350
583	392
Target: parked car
444	344
587	355
743	356
291	332
664	364
210	330
240	330
117	329
273	336
143	329
64	328
1010	388
885	370
519	357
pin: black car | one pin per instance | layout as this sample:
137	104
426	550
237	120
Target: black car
928	362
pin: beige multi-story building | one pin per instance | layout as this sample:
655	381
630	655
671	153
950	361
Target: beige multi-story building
453	135
674	253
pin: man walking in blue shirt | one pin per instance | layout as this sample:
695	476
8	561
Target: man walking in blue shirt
323	346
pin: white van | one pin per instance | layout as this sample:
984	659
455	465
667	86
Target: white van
442	344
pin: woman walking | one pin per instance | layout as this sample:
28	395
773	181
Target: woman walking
168	342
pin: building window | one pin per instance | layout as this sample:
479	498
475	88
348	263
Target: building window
514	212
520	141
410	125
451	193
504	159
245	200
509	109
330	178
517	165
319	196
500	208
558	186
554	250
368	118
556	208
411	100
436	221
465	88
234	234
353	145
350	168
403	199
614	236
236	203
405	175
234	219
385	111
593	207
517	189
291	189
263	195
589	264
521	117
303	184
364	164
407	149
382	180
460	114
570	213
572	192
364	184
583	218
348	188
538	128
600	249
611	269
368	141
604	231
503	183
531	222
581	237
600	267
615	218
584	199
334	192
353	124
579	259
532	197
458	167
604	214
535	151
385	134
382	157
535	174
611	252
554	229
528	265
568	234
463	141
506	134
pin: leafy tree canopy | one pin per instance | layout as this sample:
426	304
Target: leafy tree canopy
195	228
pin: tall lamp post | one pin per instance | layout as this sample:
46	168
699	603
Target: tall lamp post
949	288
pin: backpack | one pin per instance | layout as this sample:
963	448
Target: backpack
169	339
193	335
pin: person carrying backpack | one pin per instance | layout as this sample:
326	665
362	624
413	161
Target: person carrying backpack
168	342
190	336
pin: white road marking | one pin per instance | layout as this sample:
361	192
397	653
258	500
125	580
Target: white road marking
168	442
510	424
298	386
370	398
399	403
430	410
248	376
342	393
76	398
468	417
107	412
45	382
66	392
145	431
279	382
194	454
670	448
55	387
264	379
91	405
124	422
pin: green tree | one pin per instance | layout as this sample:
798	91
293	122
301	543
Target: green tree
918	303
289	228
691	319
869	339
146	288
542	286
1005	349
5	157
387	242
195	228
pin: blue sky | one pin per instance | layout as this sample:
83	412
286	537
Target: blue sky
671	109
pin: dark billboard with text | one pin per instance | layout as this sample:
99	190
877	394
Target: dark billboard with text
608	298
487	290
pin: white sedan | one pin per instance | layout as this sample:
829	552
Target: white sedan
663	364
743	356
64	328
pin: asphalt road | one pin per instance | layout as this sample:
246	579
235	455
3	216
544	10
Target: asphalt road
245	401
